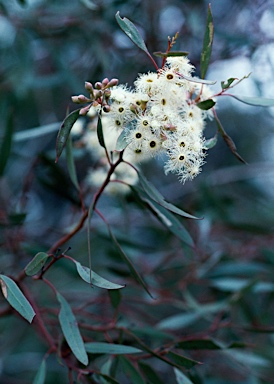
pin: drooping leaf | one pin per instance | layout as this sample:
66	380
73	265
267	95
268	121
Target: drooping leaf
181	378
64	132
98	281
6	143
40	376
16	298
171	54
182	361
206	104
131	31
155	195
36	264
207	44
132	372
255	101
71	164
112	349
71	331
100	133
210	143
149	373
228	83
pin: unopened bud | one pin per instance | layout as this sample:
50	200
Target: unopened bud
106	108
89	87
113	82
97	94
105	82
84	111
98	85
107	94
80	99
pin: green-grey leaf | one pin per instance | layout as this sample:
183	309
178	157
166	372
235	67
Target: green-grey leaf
199	344
129	369
41	374
255	101
71	164
113	349
207	45
100	133
181	378
131	31
197	80
36	132
96	280
182	361
122	142
210	143
149	373
171	54
206	104
6	143
64	131
36	264
179	321
16	298
227	84
71	331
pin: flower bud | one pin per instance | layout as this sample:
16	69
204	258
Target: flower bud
113	82
80	99
84	111
97	94
98	85
105	82
89	87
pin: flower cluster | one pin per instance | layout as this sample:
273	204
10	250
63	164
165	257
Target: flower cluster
159	116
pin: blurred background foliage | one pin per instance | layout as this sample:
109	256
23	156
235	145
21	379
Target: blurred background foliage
224	287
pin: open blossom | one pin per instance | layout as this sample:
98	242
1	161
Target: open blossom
159	116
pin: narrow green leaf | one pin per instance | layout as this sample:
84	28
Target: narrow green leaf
207	45
131	31
182	361
6	143
197	80
199	344
112	349
98	281
228	83
100	133
210	143
181	378
171	54
16	298
155	195
71	164
41	374
132	372
34	133
179	321
107	378
122	143
255	101
150	374
36	264
71	331
206	104
64	132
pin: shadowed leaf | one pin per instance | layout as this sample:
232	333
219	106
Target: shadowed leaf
207	45
41	374
64	132
36	264
113	349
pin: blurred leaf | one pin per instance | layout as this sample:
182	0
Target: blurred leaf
255	101
182	361
36	264
98	281
71	164
210	143
132	372
121	141
41	374
71	331
34	133
197	80
149	373
178	321
227	84
113	349
131	31
198	344
100	133
249	359
155	195
6	143
181	377
207	45
206	104
107	378
115	297
16	298
171	54
64	132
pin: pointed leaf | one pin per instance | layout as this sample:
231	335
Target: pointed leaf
96	280
112	349
71	331
16	298
255	101
71	164
129	369
36	264
206	104
100	133
150	374
131	31
181	378
6	143
107	378
64	132
210	143
199	344
34	133
227	84
122	142
182	361
207	45
41	374
179	321
171	54
197	80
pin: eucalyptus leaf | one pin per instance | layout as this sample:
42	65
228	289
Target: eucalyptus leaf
64	132
210	143
40	376
207	44
109	348
150	373
122	142
71	331
206	104
36	264
181	378
228	83
98	281
100	133
6	143
130	370
16	298
255	101
182	361
171	54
